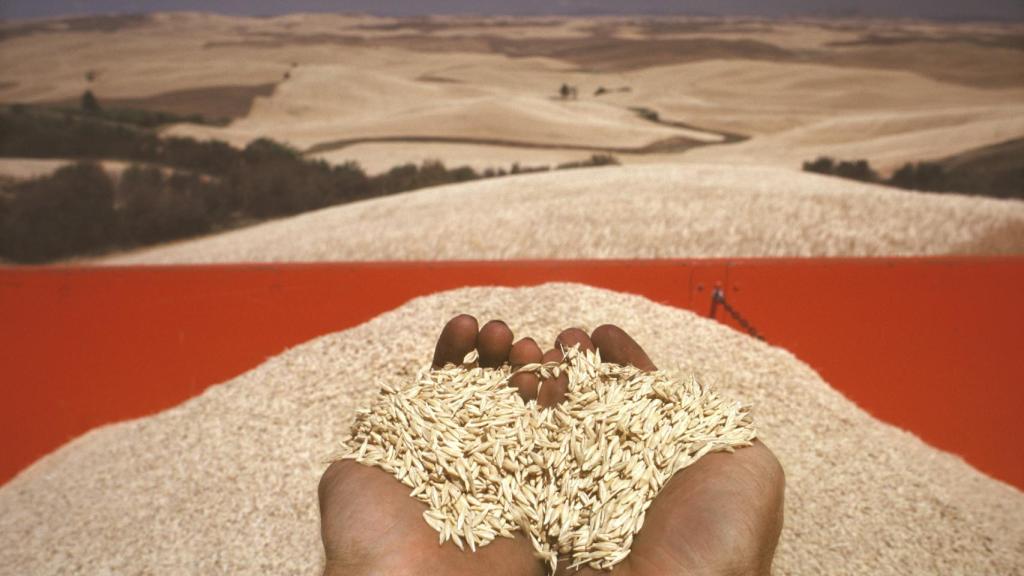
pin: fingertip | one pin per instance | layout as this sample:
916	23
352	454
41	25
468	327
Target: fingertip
458	338
574	336
525	351
528	385
618	347
494	343
553	390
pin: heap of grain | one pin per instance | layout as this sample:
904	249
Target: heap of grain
576	478
226	483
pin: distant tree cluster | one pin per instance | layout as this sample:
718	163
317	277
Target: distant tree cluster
853	169
647	114
151	206
919	176
601	90
517	168
594	160
70	211
999	179
410	177
90	105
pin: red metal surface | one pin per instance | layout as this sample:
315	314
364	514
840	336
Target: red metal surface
932	345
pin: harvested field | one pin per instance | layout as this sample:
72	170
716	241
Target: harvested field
685	136
886	140
214	102
796	88
202	487
690	211
98	23
606	51
983	66
665	146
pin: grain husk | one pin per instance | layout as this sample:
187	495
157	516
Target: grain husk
442	433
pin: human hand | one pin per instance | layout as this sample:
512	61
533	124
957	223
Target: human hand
720	516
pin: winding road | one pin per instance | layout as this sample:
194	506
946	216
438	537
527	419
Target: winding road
664	146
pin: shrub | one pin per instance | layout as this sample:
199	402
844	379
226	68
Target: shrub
856	170
594	160
157	208
603	160
430	173
823	165
90	104
69	212
647	114
138	195
852	169
519	169
999	174
184	212
207	156
920	176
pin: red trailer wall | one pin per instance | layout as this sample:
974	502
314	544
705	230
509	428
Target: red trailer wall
933	345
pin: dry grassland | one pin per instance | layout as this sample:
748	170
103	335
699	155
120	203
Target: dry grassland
797	88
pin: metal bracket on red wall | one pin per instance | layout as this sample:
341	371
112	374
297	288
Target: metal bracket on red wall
718	299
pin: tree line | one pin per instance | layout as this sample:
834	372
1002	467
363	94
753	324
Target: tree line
982	177
176	187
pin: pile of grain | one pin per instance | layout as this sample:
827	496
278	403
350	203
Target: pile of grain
226	482
577	478
666	211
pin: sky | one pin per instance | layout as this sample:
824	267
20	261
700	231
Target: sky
1009	10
